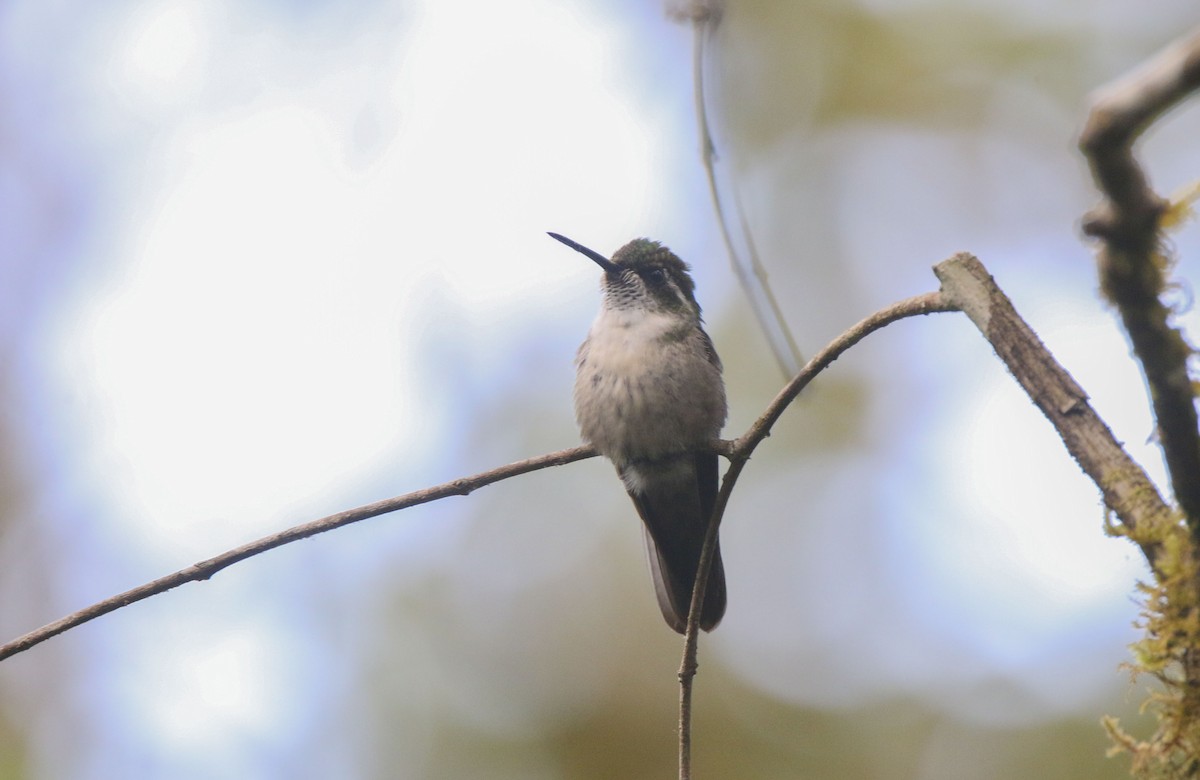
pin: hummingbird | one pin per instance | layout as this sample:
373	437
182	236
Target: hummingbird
649	397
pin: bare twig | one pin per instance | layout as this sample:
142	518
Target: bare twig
738	451
704	16
1132	264
206	569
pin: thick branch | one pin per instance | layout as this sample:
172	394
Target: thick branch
1120	113
206	569
1131	262
1126	488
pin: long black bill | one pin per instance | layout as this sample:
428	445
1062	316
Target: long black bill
608	265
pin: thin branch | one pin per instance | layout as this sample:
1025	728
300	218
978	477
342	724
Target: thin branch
738	451
1132	263
206	569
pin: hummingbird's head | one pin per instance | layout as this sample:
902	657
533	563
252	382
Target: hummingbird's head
644	274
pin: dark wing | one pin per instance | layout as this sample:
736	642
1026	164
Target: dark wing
710	351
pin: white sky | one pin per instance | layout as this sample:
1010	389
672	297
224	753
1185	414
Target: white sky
255	346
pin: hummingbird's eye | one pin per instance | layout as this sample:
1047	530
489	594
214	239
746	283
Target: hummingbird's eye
656	276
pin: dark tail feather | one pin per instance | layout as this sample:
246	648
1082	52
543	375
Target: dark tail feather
675	498
673	586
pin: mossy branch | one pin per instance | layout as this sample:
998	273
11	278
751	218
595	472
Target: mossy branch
1132	263
1133	267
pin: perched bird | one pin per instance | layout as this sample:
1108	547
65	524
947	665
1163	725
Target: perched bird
649	397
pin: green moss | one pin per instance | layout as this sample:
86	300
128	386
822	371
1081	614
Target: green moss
1169	651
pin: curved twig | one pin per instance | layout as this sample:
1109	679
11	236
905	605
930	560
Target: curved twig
738	452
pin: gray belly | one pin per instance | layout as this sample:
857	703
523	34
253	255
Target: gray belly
629	411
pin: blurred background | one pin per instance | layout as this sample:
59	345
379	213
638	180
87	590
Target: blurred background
263	261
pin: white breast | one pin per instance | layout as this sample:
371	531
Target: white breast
623	340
